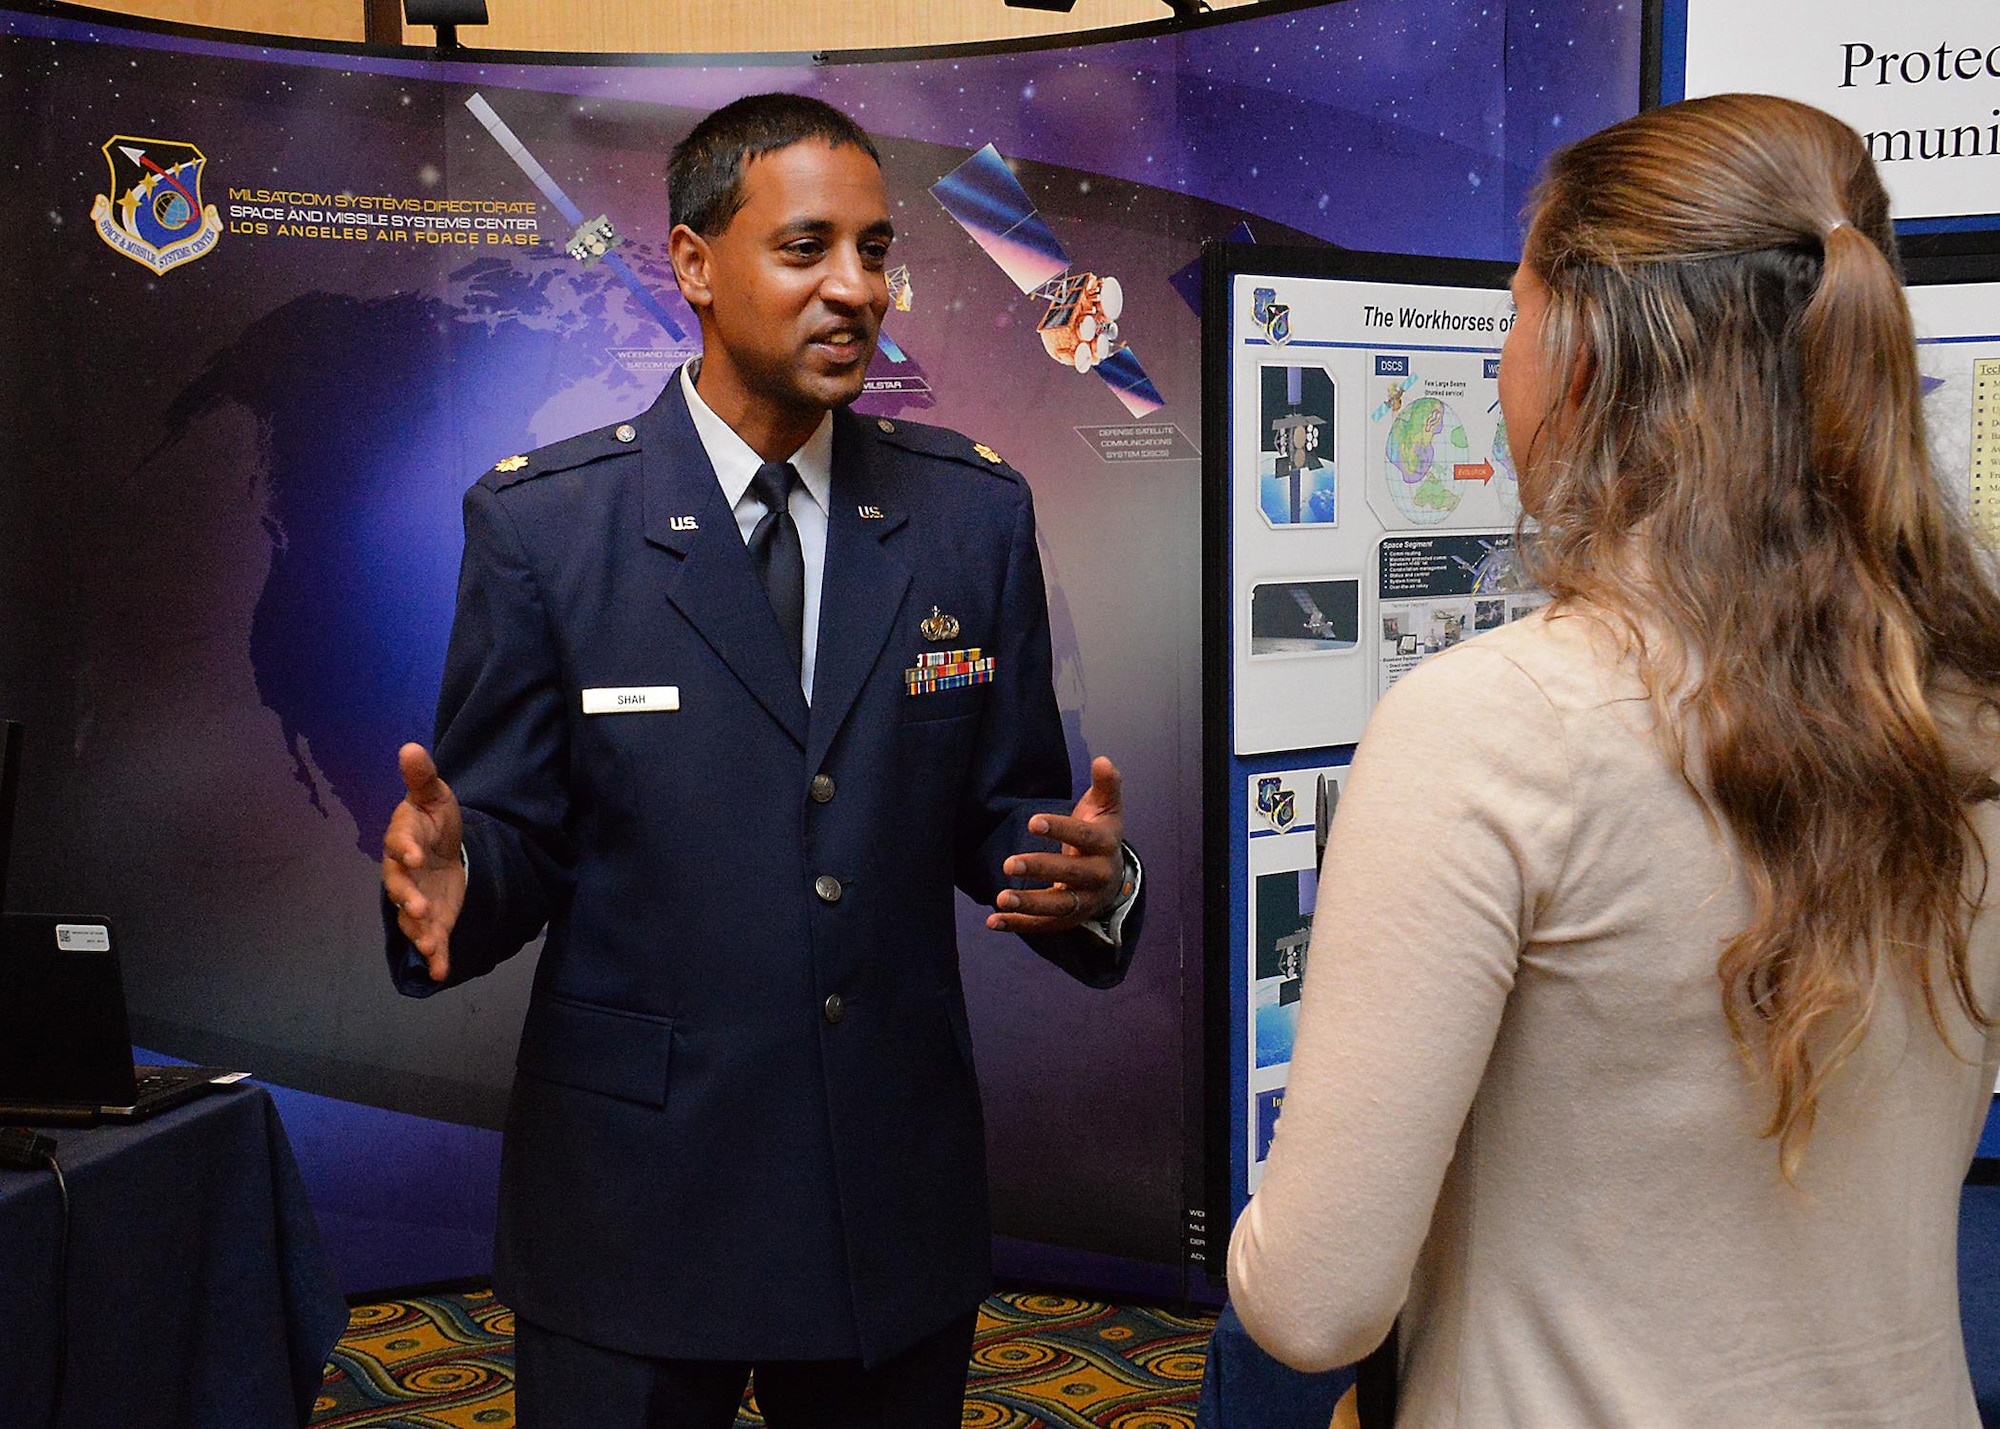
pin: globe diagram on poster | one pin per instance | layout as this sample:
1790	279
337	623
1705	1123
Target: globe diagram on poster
1426	441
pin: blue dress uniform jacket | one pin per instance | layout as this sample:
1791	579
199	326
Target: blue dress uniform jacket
744	1122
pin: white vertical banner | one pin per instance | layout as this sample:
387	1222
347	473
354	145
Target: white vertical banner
1920	80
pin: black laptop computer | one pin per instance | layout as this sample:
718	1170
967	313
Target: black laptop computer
65	1042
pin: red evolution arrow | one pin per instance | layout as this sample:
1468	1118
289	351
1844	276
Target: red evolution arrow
138	156
1482	472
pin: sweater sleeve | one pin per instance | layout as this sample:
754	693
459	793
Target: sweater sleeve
1452	832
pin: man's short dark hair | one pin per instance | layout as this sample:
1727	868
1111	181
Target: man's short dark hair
705	175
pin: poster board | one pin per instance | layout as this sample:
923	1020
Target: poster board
1360	507
1955	307
1372	494
1280	732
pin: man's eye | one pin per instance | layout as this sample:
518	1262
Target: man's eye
805	248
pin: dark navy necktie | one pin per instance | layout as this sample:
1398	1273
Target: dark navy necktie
776	553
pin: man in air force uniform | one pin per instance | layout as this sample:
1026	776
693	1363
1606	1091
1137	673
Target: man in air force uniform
737	694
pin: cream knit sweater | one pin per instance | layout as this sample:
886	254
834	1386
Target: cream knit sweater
1515	1113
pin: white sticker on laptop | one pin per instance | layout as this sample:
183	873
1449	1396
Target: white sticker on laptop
83	937
632	699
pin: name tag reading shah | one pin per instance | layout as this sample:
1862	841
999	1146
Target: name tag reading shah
634	699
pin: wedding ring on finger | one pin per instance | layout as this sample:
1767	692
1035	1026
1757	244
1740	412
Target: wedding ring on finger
1075	902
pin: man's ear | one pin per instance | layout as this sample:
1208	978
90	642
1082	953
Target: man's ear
693	266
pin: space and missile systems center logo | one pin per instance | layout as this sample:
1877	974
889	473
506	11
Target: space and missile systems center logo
154	214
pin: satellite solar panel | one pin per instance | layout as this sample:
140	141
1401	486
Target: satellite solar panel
553	192
1123	374
983	195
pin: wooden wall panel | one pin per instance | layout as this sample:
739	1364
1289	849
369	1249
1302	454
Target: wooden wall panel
723	26
303	19
678	26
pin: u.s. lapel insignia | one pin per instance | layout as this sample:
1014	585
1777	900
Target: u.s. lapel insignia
683	523
513	463
939	626
987	452
870	513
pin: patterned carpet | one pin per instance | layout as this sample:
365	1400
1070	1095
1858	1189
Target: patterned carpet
447	1362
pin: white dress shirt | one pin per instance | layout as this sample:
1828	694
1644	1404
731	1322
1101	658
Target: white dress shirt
736	463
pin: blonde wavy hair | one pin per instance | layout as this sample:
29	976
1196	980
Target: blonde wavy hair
1734	467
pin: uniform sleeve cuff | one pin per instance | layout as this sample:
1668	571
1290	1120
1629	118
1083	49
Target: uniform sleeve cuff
1110	928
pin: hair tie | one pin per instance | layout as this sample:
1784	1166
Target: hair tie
1827	232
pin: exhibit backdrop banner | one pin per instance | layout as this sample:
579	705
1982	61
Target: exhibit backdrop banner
1919	80
274	308
1361	508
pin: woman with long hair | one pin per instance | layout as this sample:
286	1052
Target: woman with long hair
1649	1024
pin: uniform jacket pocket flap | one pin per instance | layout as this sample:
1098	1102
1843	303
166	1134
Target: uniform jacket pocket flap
598	1049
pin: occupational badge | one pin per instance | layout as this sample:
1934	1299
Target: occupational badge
1274	317
1277	803
939	626
154	214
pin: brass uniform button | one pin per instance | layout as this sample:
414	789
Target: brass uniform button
836	1009
827	887
822	789
627	433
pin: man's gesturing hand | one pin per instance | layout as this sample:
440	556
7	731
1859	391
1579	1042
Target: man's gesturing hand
1086	879
423	870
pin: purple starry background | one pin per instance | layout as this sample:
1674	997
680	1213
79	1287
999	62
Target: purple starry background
1413	126
233	530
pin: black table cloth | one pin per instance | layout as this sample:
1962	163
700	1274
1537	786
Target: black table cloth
199	1296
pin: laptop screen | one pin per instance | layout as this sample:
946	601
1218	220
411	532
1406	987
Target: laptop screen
63	1033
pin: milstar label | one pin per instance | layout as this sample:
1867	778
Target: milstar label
83	937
